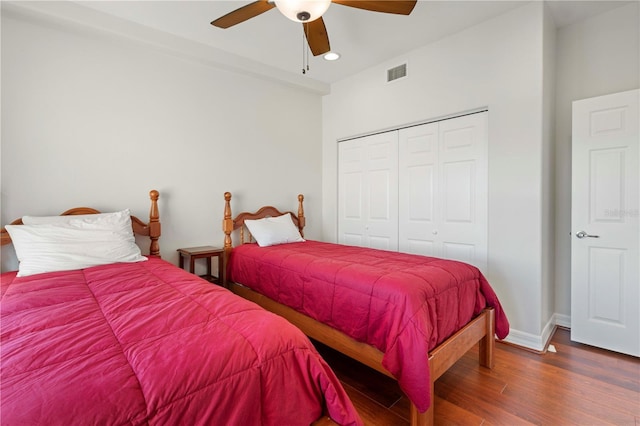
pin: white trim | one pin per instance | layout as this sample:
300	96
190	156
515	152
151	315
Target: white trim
416	123
526	340
563	320
535	342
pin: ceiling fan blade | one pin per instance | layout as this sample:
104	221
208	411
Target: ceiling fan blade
246	12
317	37
399	7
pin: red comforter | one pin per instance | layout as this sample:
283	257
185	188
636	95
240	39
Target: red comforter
404	305
148	343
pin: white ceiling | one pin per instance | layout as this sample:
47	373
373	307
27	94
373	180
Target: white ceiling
363	38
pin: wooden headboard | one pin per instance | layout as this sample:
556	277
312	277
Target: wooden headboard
230	224
151	229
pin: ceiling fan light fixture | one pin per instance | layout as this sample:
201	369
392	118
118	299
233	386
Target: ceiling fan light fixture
303	10
331	56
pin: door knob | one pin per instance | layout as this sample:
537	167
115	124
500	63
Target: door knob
583	234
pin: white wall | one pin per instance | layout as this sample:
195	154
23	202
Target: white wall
91	118
548	176
497	64
595	57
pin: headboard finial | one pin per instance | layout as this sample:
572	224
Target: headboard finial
301	218
154	223
227	228
227	222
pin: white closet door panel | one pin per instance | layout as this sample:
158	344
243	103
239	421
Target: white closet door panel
382	180
380	195
459	222
463	195
425	247
382	242
368	191
381	219
458	193
418	171
459	251
352	239
353	196
351	170
419	193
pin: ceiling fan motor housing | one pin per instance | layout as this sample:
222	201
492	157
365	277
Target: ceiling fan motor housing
303	16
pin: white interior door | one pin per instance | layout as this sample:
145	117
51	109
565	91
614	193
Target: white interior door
368	191
605	256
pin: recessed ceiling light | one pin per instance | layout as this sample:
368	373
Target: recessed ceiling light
332	56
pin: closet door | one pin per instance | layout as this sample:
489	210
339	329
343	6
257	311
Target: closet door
463	189
418	197
368	191
443	189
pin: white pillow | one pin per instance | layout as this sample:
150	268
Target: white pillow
41	220
78	244
274	230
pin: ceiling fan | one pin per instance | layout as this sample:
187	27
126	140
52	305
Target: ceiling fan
309	13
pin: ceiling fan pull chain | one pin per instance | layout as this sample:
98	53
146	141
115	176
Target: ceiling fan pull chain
303	50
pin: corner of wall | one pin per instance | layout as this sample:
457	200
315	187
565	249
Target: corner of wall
548	165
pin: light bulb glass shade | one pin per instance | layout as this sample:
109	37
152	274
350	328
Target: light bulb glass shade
303	10
331	56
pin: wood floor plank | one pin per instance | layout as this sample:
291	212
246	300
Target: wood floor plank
371	412
447	414
577	385
596	393
573	396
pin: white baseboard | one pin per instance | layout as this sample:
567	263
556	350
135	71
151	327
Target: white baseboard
536	342
563	320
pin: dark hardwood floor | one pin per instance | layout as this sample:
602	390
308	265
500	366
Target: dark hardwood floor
576	385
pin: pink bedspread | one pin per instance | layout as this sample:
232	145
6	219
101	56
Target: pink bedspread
148	343
404	305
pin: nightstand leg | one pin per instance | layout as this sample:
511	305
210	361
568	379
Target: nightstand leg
192	264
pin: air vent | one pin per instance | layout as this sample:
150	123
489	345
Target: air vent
396	72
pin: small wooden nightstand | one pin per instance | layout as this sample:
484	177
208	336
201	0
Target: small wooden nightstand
203	252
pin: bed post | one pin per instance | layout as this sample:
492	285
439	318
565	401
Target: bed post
488	343
227	228
416	418
154	224
301	219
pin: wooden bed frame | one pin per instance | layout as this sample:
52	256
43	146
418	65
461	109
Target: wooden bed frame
480	330
151	229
